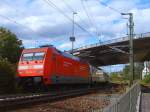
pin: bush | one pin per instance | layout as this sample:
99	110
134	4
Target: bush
146	79
7	76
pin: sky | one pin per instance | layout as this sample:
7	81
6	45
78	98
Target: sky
38	22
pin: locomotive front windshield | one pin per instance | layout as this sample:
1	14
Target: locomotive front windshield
33	56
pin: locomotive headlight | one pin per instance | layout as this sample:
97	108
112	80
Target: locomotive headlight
39	71
22	67
38	66
20	72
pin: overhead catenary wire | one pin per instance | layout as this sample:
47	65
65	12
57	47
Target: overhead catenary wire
17	23
92	17
70	19
89	17
104	4
117	11
58	9
50	3
69	7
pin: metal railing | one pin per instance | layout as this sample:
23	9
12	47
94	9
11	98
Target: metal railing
127	102
137	36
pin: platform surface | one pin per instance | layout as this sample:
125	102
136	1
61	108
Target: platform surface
145	102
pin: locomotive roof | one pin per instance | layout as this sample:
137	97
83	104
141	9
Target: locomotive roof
34	50
44	48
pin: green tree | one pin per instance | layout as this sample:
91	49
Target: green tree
138	67
138	70
114	75
146	79
10	50
10	46
126	72
6	76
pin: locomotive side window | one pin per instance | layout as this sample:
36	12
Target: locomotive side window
27	57
38	56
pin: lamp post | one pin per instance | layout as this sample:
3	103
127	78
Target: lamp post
72	38
131	57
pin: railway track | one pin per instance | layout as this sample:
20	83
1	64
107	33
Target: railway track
14	102
21	101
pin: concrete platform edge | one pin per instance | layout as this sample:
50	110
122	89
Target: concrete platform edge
138	103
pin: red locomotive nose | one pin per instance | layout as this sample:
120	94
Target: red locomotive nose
32	63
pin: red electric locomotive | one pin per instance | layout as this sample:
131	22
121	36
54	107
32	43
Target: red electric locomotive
49	66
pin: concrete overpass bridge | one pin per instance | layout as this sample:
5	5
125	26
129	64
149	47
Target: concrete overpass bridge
116	51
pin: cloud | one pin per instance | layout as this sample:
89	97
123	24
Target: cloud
44	24
141	20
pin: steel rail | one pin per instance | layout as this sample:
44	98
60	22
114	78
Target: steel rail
15	102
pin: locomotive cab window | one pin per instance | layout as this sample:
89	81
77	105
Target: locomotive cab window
38	56
27	57
33	56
